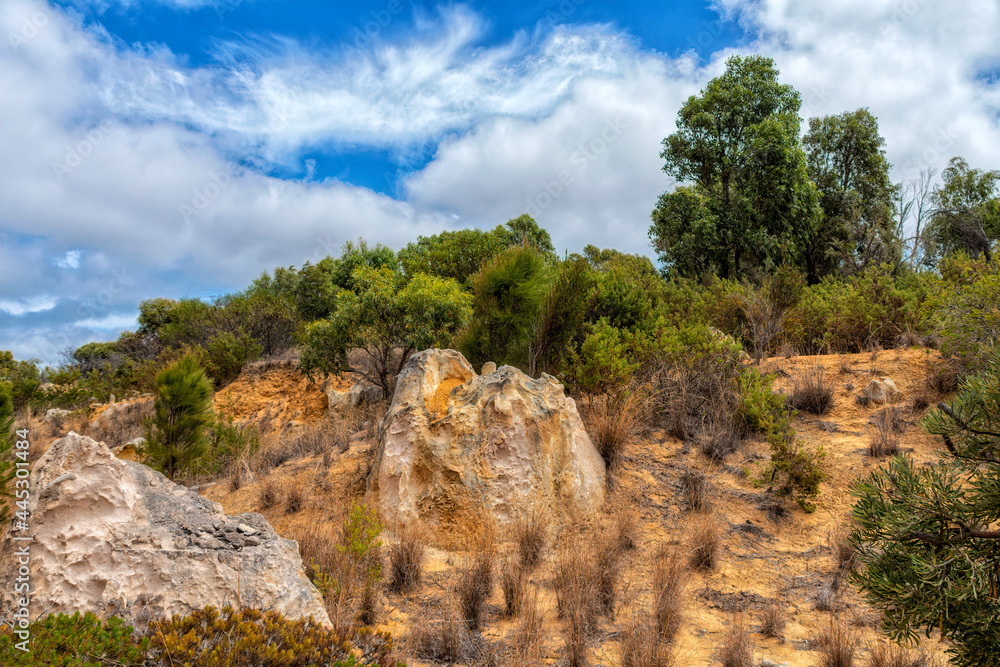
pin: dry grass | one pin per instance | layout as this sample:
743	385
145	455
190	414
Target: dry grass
577	598
720	436
883	439
844	552
836	645
773	619
704	540
514	585
887	654
268	494
670	572
612	420
695	487
475	581
121	423
406	559
295	498
737	649
528	638
642	646
945	378
812	393
442	635
530	533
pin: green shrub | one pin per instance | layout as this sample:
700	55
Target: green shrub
968	312
228	353
605	360
796	470
22	379
176	437
76	641
7	468
230	638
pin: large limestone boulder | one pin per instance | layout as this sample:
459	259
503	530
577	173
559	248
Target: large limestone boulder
454	444
107	529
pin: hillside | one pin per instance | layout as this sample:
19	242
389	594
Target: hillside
770	550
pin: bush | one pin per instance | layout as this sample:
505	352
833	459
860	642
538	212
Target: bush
705	538
227	354
612	419
812	393
406	560
606	360
76	641
475	582
7	468
670	572
176	436
737	648
773	619
230	638
530	533
797	470
836	646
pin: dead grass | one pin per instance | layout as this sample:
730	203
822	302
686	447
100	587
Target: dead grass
642	646
528	638
695	487
120	422
704	540
737	648
945	378
844	552
406	559
883	439
513	583
773	619
720	436
836	645
295	498
442	635
577	598
670	573
268	494
475	582
812	393
612	419
886	654
530	533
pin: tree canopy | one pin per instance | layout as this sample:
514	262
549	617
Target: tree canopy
748	202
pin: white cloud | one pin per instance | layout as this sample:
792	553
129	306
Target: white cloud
117	157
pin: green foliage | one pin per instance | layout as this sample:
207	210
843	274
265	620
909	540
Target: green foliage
750	203
968	313
759	408
230	442
926	535
462	253
7	467
873	307
508	294
561	317
797	470
360	539
154	314
22	378
386	318
847	162
966	212
606	360
176	437
76	641
231	638
227	353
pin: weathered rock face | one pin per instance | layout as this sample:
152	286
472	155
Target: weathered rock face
455	443
107	529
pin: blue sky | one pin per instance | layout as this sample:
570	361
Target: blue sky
180	147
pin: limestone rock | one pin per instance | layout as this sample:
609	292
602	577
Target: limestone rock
488	368
455	443
110	529
359	394
882	390
55	414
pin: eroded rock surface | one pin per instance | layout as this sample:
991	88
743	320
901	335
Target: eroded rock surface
107	529
455	444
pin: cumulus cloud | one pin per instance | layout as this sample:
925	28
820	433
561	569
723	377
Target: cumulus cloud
131	174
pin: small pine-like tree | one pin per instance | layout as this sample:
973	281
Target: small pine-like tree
928	538
6	445
177	434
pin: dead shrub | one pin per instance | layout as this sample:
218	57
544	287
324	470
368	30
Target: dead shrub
269	494
737	648
862	399
695	487
612	419
704	540
772	619
623	531
406	559
670	572
844	367
720	435
909	339
887	654
812	393
642	646
120	423
883	440
836	645
295	498
844	552
513	584
235	478
608	559
576	598
787	350
442	635
945	378
530	533
475	582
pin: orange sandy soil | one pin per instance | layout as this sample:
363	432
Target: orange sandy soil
788	559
